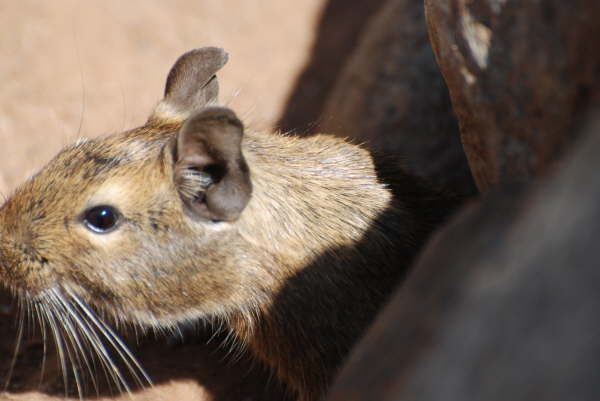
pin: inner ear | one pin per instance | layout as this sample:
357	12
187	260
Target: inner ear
210	172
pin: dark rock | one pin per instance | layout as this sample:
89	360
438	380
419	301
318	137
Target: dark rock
502	305
521	75
336	36
392	96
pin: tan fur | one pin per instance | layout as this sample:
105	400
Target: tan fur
297	276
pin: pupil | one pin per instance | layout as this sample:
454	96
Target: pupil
101	218
104	218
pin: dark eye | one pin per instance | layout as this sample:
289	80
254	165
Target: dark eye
101	219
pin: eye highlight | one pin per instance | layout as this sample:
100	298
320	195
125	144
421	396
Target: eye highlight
101	219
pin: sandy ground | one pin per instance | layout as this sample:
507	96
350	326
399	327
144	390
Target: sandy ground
72	69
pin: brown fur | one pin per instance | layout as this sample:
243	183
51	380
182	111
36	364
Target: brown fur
297	274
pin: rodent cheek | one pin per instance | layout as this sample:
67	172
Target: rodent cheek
22	269
105	241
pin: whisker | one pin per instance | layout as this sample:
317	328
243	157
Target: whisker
29	326
82	328
127	357
109	367
42	324
13	360
73	356
82	81
81	338
51	319
75	350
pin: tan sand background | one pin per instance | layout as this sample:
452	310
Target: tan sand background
85	68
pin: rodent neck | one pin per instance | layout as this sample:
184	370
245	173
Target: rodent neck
320	311
323	218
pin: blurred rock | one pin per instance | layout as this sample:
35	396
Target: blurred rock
521	74
503	303
339	29
392	96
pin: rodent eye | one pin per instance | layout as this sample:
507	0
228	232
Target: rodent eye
101	219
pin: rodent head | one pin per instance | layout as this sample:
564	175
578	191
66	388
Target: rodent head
119	221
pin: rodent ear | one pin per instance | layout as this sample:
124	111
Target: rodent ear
210	172
192	83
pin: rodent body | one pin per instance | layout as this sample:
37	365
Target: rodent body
293	242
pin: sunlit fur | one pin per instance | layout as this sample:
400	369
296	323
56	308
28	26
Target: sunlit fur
296	279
